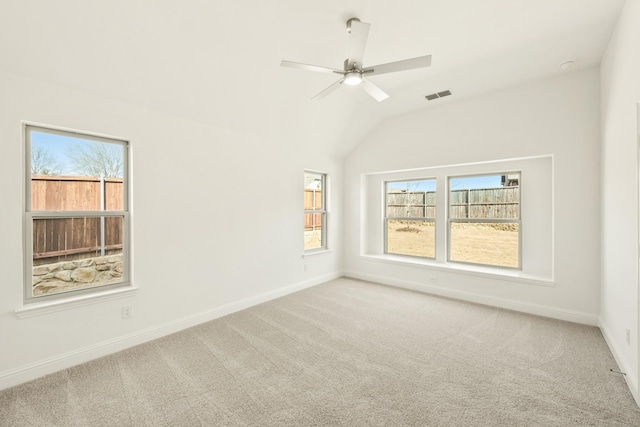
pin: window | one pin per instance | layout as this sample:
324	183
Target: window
484	219
410	218
477	211
315	211
76	219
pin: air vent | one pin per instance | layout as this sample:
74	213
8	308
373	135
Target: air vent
438	95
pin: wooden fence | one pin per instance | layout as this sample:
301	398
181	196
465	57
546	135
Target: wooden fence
312	200
74	193
484	203
413	204
65	239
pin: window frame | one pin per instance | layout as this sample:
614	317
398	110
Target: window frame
30	215
322	211
517	221
386	218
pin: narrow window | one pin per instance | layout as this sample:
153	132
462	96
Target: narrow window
315	211
410	218
484	219
77	214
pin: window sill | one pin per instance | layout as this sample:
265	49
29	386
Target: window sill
318	252
471	270
37	309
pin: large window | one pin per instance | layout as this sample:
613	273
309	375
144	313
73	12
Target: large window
477	218
315	211
484	219
76	219
410	214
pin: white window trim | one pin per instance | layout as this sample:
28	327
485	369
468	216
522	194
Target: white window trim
64	300
314	252
476	270
69	302
387	218
324	215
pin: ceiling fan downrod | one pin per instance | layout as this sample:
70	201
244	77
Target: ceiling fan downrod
349	24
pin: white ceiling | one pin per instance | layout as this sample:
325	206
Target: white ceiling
217	61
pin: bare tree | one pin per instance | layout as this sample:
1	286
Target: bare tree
94	158
43	162
411	196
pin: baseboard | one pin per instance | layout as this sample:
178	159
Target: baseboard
538	310
623	364
41	368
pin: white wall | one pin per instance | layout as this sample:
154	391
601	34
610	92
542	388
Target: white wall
220	211
620	85
558	117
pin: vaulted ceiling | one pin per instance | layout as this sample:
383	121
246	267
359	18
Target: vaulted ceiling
218	61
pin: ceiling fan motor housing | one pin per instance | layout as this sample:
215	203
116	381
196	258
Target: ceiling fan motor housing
353	78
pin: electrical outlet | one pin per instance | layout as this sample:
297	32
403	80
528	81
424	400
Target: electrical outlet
433	279
628	336
305	267
126	312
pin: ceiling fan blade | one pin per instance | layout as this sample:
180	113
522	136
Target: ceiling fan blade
374	91
405	64
307	67
357	42
328	90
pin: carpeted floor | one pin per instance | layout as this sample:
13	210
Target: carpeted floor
345	353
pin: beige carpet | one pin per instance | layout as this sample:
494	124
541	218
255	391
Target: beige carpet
345	353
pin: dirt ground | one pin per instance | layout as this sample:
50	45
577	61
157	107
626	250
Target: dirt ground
312	239
414	238
468	242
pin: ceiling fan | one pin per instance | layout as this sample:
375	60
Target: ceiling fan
354	73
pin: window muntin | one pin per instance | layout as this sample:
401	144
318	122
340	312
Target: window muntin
315	211
484	220
410	212
76	219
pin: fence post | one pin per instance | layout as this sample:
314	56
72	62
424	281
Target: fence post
424	205
468	203
102	206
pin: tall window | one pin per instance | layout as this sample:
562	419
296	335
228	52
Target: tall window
484	219
315	211
77	217
410	218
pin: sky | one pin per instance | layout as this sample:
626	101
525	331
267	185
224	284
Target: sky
57	146
463	183
423	185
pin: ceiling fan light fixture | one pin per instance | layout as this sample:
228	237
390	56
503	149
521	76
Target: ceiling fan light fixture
353	78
